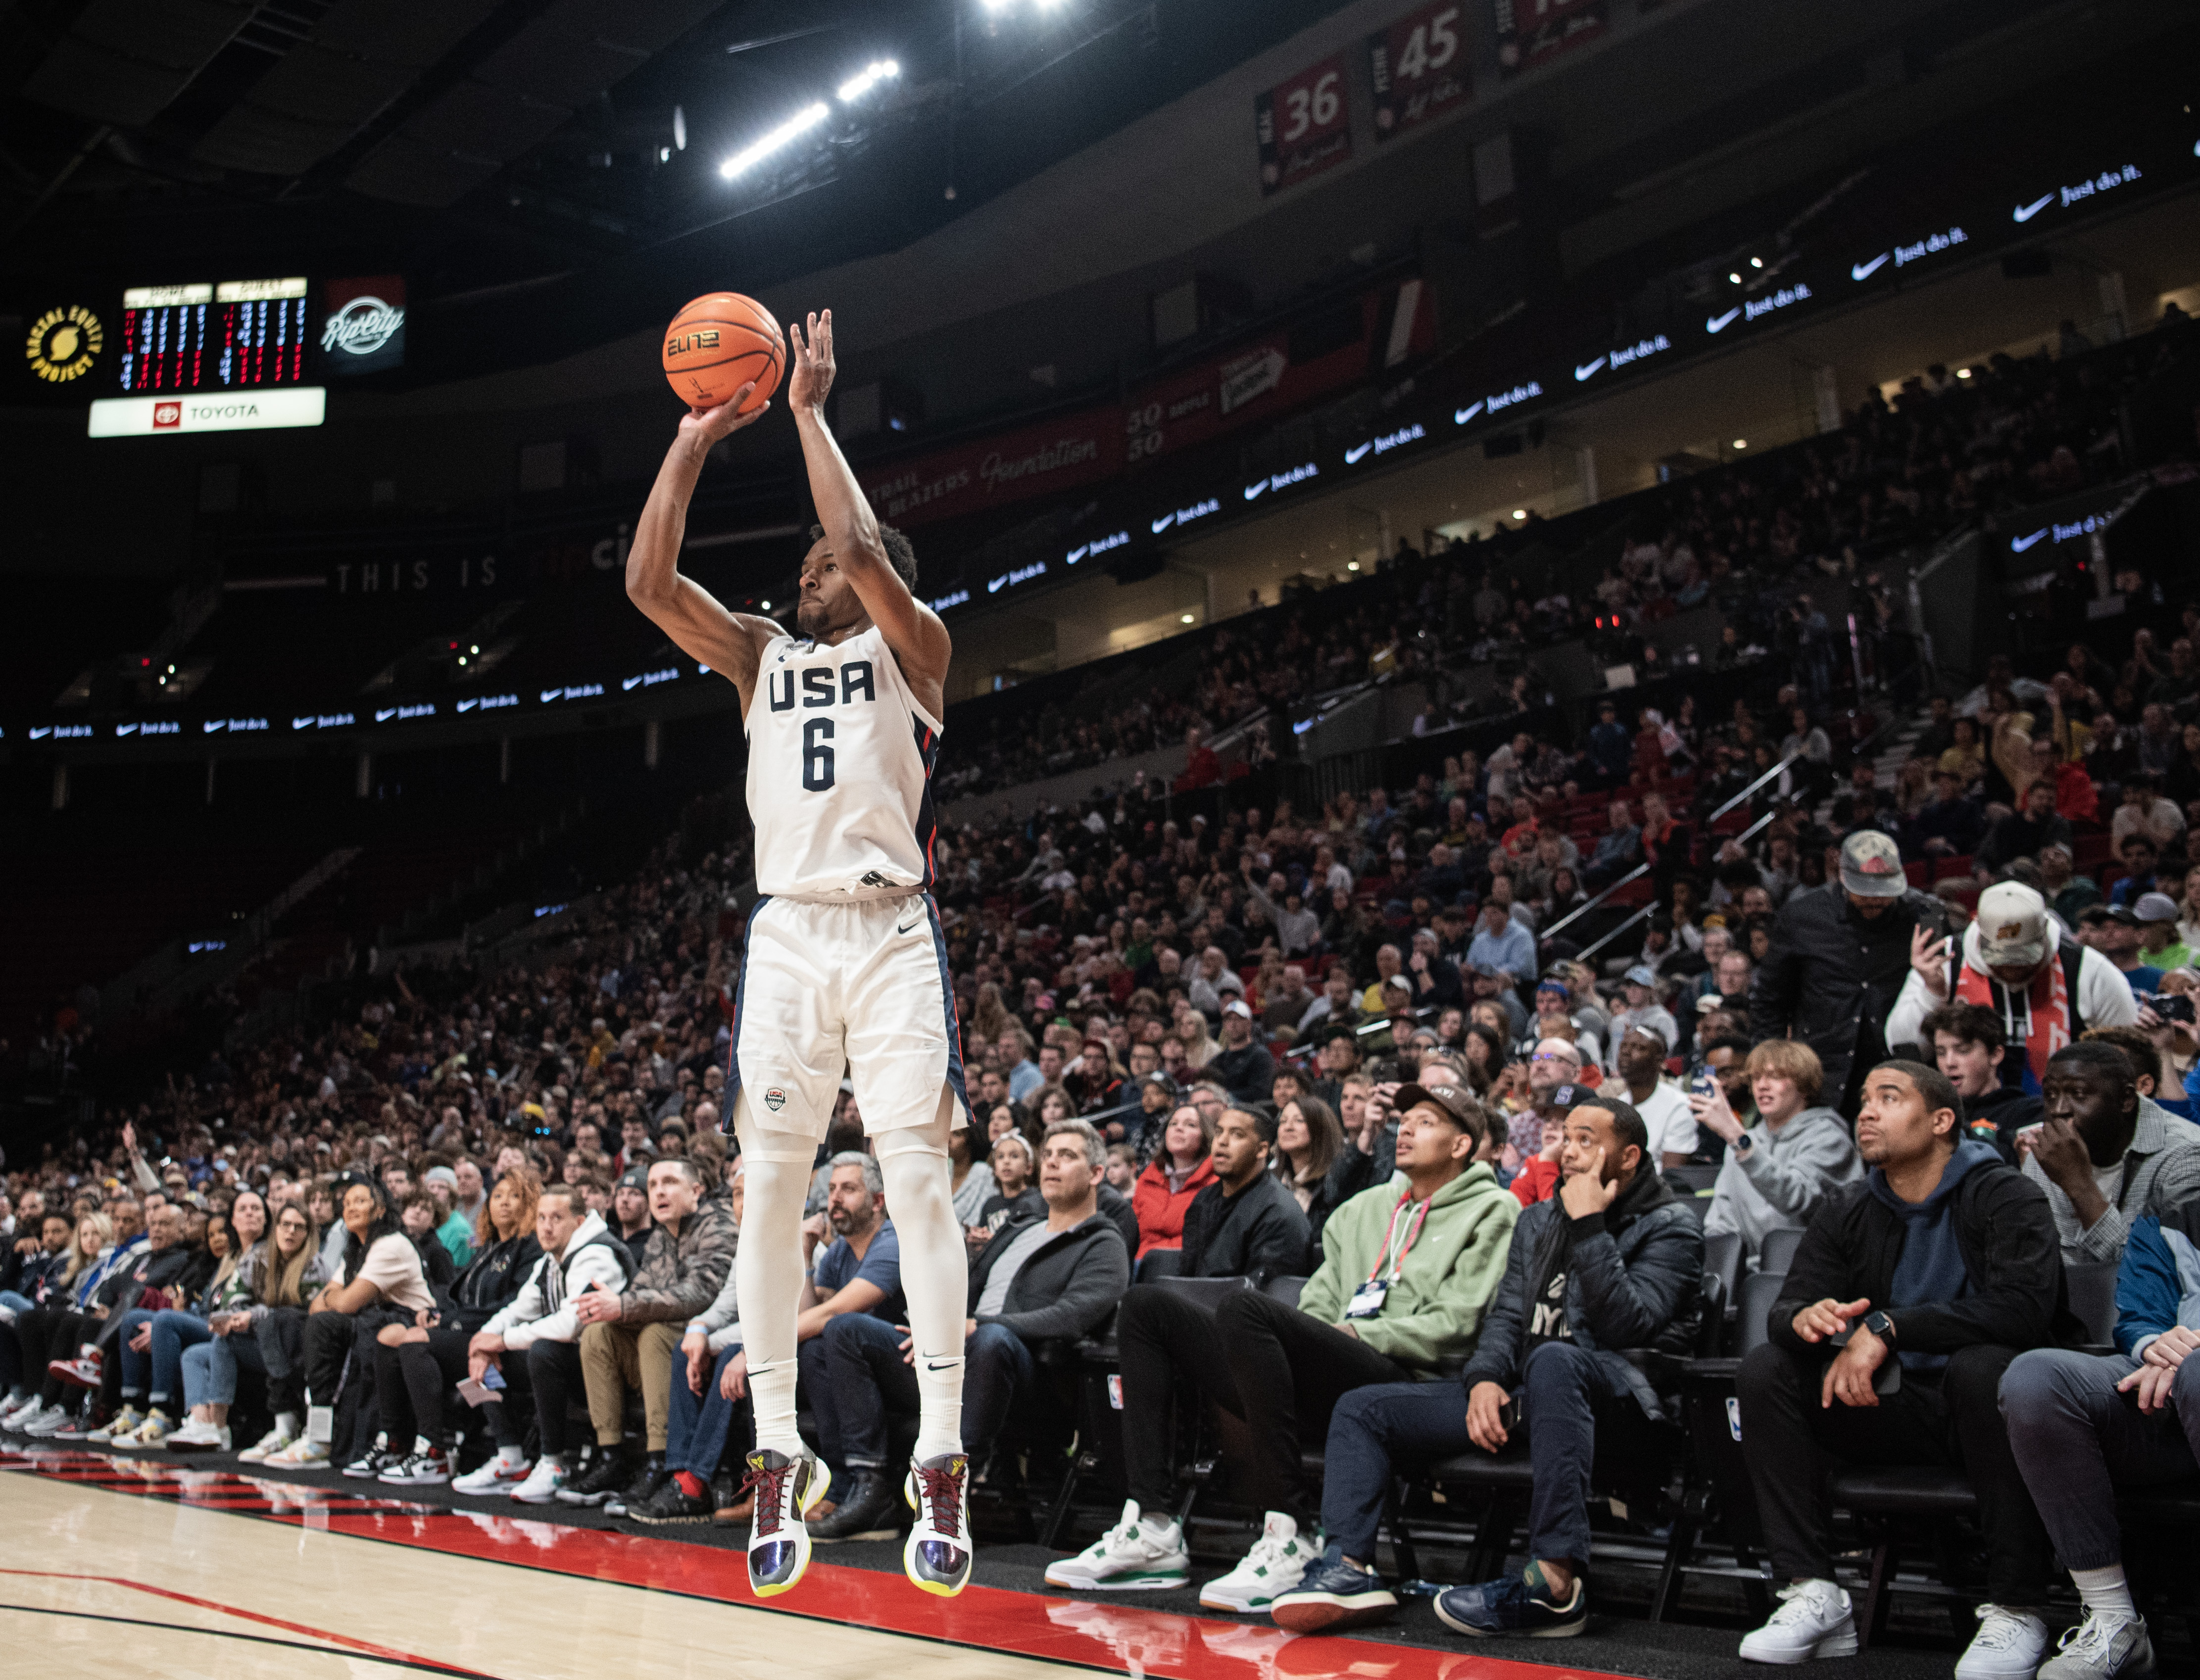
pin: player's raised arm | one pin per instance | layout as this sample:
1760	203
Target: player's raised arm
699	624
920	642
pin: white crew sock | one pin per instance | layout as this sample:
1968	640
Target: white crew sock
935	1273
2106	1592
511	1454
1160	1527
288	1423
768	1267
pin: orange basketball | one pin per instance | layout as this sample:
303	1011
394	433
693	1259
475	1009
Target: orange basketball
718	343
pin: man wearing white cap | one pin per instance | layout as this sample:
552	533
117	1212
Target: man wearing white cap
2044	991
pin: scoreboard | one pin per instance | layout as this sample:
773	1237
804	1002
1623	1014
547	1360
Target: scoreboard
232	336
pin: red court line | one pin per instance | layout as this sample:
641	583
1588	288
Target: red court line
364	1648
1111	1637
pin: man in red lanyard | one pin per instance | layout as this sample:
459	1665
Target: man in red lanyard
1410	1267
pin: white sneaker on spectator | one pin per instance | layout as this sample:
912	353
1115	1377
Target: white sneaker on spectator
542	1483
2101	1648
1815	1620
425	1466
197	1436
302	1455
46	1422
1130	1558
20	1406
2008	1646
124	1423
1279	1557
275	1440
498	1475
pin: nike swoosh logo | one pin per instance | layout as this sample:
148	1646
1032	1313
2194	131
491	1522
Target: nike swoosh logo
2017	545
126	728
1589	370
941	1365
1353	456
468	705
910	928
1163	523
40	734
1459	417
2025	213
385	714
1080	551
628	684
994	587
1252	490
1864	271
1721	322
301	723
214	728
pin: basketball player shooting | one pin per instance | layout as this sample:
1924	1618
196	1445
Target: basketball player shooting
845	963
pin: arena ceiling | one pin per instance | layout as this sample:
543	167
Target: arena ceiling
488	144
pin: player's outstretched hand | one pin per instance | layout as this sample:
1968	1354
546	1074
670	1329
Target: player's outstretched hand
811	366
708	426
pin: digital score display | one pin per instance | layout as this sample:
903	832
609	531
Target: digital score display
238	334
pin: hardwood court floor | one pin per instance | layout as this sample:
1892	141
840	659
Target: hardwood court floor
114	1566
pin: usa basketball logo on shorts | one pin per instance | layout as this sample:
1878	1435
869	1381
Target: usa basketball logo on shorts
774	1099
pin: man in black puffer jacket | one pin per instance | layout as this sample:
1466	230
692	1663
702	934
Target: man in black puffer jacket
1840	955
1613	1262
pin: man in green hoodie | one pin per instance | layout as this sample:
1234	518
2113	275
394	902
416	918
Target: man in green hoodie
1409	1270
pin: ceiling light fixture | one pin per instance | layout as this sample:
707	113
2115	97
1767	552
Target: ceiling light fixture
1734	279
1756	262
857	86
1741	443
1519	512
799	124
1187	618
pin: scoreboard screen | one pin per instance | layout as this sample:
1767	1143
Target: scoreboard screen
238	334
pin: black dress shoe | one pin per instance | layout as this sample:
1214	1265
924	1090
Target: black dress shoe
867	1514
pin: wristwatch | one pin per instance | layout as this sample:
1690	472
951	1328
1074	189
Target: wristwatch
1880	1326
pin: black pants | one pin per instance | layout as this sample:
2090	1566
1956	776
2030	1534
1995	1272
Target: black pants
553	1372
281	1334
410	1383
1267	1364
1789	1441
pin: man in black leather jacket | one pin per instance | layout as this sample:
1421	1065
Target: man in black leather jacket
1612	1261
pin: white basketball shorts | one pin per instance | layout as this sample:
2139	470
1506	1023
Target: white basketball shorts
859	986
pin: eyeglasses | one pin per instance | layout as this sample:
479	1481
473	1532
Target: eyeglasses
1553	1056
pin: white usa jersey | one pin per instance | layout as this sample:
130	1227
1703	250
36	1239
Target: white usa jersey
839	781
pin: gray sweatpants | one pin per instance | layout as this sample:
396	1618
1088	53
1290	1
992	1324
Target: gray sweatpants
2077	1440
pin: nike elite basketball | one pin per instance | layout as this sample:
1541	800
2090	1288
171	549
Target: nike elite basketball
717	343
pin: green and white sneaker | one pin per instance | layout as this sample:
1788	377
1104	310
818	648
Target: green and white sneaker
1130	1558
1279	1560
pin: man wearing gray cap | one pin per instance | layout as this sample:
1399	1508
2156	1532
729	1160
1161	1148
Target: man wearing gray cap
1841	954
2160	945
2044	990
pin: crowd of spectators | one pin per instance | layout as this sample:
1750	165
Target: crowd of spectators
1944	1029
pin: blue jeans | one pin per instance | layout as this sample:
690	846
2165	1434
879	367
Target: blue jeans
20	1303
2077	1440
173	1332
1566	1399
209	1368
869	1379
697	1430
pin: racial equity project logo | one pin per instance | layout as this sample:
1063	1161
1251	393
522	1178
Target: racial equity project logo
64	344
